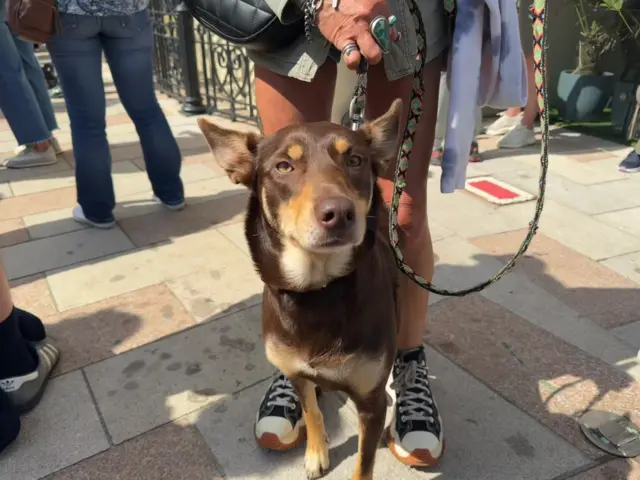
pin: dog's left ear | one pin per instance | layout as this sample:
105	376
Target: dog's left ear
234	151
383	134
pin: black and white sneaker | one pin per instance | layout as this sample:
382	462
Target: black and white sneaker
279	423
415	435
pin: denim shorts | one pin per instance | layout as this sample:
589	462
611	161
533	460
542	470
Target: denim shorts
302	59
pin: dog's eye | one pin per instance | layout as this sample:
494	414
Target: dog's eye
354	161
284	167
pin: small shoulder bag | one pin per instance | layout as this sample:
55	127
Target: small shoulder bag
248	23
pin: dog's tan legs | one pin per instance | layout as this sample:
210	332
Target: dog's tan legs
371	412
316	459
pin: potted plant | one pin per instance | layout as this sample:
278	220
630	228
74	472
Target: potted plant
585	91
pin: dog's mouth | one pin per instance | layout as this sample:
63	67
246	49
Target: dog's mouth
318	240
333	243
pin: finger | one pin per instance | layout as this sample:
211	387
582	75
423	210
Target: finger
351	58
369	48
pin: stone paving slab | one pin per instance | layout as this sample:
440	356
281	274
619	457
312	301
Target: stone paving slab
62	251
590	288
627	265
139	268
620	469
543	375
625	220
52	223
100	330
13	232
171	452
585	234
162	381
630	334
63	430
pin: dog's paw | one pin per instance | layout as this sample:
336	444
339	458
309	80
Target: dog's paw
316	464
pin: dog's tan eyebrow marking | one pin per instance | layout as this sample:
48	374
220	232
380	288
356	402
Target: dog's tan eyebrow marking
295	151
341	144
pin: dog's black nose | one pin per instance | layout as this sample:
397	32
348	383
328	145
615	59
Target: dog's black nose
336	213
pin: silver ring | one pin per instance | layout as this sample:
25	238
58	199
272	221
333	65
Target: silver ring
349	47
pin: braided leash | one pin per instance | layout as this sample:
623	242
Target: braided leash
417	96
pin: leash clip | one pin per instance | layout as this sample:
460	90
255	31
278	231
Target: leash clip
358	101
356	113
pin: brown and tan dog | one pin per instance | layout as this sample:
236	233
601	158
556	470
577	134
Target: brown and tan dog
329	303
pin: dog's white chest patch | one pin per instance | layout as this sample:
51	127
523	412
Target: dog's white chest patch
361	373
305	269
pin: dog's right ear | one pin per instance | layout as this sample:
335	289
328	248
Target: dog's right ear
233	150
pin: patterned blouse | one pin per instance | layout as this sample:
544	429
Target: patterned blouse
102	8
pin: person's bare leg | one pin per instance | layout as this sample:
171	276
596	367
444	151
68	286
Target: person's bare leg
416	432
412	215
284	101
6	304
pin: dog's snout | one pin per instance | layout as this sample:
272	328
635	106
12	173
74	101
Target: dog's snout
336	213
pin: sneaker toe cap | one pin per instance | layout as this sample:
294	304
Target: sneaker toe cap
416	441
276	433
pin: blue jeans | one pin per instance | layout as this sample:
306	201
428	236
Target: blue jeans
127	42
24	98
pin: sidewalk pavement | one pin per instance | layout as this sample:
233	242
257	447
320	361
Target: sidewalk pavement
158	321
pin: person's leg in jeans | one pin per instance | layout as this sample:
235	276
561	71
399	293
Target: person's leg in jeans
33	71
77	55
38	82
21	108
128	46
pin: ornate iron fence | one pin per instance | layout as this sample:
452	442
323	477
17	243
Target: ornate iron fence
204	72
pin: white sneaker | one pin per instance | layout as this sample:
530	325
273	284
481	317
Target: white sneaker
171	206
29	157
503	124
520	136
78	216
54	143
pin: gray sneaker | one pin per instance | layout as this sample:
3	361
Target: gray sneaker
29	157
54	143
25	391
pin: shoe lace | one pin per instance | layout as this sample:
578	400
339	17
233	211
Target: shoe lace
414	398
282	393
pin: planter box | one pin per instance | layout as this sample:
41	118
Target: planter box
583	97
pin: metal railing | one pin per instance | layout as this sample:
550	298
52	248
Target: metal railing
201	70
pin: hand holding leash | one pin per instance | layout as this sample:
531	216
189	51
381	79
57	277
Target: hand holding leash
360	29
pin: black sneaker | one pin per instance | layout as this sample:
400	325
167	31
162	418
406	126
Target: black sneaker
415	435
631	164
279	423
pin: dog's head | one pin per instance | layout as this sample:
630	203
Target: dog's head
314	183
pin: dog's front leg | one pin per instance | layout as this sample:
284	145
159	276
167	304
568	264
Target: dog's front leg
316	459
371	412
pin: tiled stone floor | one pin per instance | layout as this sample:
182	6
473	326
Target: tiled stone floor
158	321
